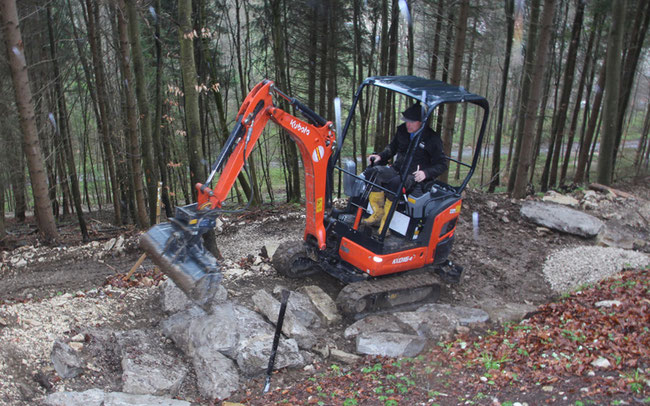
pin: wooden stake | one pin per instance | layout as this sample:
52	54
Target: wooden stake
143	256
135	266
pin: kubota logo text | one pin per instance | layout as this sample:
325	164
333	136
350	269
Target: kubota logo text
299	127
402	260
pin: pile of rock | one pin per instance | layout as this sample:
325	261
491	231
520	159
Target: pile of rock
231	342
29	254
617	221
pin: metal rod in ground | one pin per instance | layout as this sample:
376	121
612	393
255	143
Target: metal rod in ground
276	339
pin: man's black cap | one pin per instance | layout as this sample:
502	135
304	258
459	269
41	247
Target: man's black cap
413	113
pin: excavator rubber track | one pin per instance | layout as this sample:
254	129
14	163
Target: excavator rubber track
399	292
294	259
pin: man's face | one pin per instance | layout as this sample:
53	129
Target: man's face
413	126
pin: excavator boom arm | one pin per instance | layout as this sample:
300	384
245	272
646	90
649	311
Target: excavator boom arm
315	143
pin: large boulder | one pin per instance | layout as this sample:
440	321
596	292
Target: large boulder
566	200
375	323
503	312
270	308
429	324
174	300
67	362
177	326
217	331
97	397
461	314
217	375
146	368
617	237
301	306
91	397
250	323
323	304
390	344
254	353
561	218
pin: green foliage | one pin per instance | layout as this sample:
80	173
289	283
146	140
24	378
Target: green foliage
490	363
375	368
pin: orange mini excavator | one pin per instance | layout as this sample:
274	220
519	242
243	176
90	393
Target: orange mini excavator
382	270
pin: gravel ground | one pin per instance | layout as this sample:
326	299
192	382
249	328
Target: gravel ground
240	239
28	330
569	268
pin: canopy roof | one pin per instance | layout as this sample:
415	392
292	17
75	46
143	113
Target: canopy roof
437	91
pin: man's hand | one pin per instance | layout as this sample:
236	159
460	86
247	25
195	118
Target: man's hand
374	159
419	175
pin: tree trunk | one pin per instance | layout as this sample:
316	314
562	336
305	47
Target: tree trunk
381	134
445	61
433	69
312	54
63	132
2	207
24	102
87	150
94	39
643	142
63	181
578	104
17	174
393	40
323	51
612	94
525	154
583	155
358	60
411	40
279	47
468	82
157	138
252	190
636	38
561	114
541	119
527	74
143	106
191	100
456	71
496	154
132	119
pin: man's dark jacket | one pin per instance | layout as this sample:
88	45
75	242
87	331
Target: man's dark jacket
428	153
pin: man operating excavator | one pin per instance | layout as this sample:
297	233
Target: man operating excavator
428	163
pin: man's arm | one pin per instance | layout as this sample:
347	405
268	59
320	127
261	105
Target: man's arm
390	150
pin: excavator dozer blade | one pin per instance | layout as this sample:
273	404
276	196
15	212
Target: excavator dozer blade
182	257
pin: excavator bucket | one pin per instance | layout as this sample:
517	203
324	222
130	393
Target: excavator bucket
177	248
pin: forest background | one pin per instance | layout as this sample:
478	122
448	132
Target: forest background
104	99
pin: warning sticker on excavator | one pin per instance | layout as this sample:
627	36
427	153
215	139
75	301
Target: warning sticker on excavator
319	205
318	153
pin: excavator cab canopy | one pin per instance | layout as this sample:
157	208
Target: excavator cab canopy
428	91
431	94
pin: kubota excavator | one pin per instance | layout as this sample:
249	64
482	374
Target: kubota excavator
381	270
